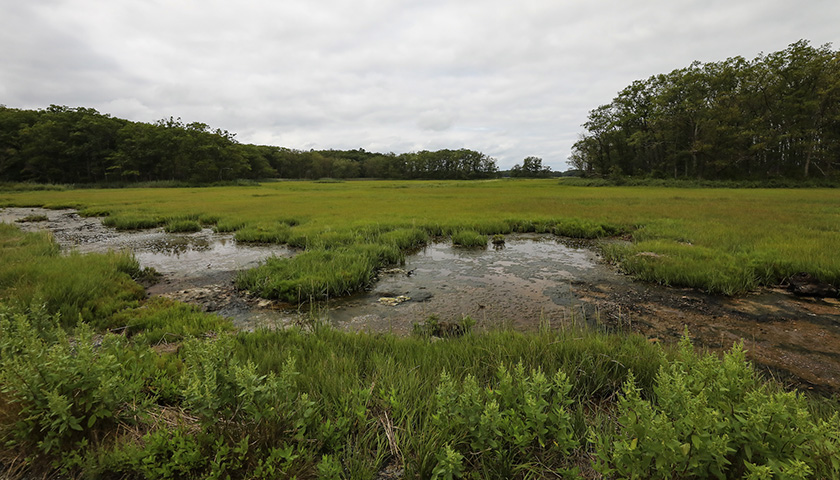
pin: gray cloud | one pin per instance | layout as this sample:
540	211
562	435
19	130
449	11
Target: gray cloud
511	79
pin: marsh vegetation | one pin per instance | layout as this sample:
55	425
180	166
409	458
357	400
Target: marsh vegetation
100	381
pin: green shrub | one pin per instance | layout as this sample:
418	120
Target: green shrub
67	393
714	418
519	423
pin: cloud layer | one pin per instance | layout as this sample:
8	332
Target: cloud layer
511	79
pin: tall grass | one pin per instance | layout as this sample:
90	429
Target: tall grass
87	287
469	239
319	273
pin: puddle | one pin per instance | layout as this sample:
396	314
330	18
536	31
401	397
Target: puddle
534	280
175	255
526	282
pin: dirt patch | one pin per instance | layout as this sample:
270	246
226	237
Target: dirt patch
796	339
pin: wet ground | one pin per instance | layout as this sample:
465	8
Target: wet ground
533	280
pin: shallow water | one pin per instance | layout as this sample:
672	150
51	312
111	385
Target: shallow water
526	282
175	255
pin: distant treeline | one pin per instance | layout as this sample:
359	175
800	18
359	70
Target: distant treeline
776	116
80	145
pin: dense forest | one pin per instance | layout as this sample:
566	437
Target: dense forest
775	116
80	145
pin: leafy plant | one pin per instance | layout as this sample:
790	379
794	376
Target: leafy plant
713	418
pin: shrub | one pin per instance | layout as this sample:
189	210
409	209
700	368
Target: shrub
67	393
711	417
519	423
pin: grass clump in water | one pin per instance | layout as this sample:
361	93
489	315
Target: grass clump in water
320	273
33	218
263	233
182	225
469	239
227	225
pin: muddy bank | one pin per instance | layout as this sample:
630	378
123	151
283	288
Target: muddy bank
534	280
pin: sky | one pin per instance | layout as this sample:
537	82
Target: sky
509	78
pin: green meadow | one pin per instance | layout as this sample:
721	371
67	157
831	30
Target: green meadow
97	381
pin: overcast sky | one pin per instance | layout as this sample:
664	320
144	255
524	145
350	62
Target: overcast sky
510	78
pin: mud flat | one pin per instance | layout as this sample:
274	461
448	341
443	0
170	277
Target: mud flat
534	281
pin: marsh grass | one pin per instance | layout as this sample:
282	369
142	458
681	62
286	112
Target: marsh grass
132	221
756	236
228	225
32	218
319	273
161	320
182	225
588	229
469	239
86	287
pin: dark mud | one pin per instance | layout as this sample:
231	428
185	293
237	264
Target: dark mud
533	281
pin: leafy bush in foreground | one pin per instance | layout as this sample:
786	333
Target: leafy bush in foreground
714	418
337	405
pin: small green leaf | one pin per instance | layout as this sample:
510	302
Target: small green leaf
685	447
633	443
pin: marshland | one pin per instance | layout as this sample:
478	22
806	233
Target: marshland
666	292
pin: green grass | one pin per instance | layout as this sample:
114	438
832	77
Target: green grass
753	236
319	273
182	225
469	239
87	287
161	320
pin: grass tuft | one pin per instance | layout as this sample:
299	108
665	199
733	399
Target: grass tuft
469	239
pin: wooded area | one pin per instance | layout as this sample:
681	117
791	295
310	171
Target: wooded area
80	145
775	116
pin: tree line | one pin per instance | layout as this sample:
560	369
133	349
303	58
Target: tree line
60	144
775	116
